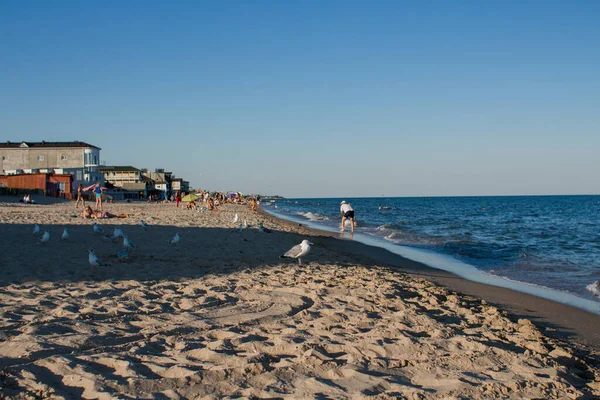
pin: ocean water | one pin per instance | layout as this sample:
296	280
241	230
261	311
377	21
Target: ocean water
550	241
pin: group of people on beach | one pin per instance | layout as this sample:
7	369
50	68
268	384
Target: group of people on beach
213	200
96	189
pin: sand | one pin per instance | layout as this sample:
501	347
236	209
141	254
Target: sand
220	315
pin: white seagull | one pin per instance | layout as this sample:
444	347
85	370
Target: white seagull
65	235
236	218
298	251
97	229
36	230
175	239
46	237
93	259
245	223
117	233
128	243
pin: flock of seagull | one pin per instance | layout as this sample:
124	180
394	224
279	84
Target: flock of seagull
117	233
296	252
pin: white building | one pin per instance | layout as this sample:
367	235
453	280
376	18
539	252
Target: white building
76	158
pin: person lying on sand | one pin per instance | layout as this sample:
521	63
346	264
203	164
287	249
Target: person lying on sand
211	205
89	213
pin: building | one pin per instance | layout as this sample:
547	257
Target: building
54	185
120	175
127	180
179	185
160	180
79	159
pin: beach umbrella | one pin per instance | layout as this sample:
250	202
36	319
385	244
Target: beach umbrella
190	197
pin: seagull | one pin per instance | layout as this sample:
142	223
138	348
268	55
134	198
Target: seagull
144	225
262	229
123	254
36	230
46	237
117	233
240	228
245	223
235	219
65	235
298	251
128	243
94	260
97	229
175	239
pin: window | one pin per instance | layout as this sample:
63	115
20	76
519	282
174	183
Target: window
40	158
4	158
63	157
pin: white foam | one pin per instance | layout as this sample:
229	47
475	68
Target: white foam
594	288
313	217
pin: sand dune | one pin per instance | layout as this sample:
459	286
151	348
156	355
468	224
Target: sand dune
221	316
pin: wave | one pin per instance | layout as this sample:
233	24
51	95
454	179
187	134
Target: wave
394	235
313	216
594	288
394	226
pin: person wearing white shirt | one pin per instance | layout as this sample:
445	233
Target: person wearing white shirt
347	213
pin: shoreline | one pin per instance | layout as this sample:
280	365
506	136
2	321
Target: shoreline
559	320
220	314
537	249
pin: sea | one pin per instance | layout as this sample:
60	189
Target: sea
536	244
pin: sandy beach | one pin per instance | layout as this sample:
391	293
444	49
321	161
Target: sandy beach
220	315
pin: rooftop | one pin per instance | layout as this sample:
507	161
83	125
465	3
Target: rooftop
43	143
114	168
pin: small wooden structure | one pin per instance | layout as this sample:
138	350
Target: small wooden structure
54	185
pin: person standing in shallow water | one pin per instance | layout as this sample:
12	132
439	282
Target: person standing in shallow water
347	213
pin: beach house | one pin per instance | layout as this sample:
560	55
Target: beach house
127	180
160	181
78	159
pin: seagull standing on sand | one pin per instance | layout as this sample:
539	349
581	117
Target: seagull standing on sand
298	251
175	239
97	229
123	254
93	259
117	233
65	235
128	243
46	237
36	230
245	223
235	219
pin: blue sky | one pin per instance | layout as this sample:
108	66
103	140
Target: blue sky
316	98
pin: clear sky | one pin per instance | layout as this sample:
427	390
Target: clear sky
316	98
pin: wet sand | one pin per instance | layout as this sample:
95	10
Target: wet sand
220	315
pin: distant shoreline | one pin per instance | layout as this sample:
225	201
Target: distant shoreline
436	196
